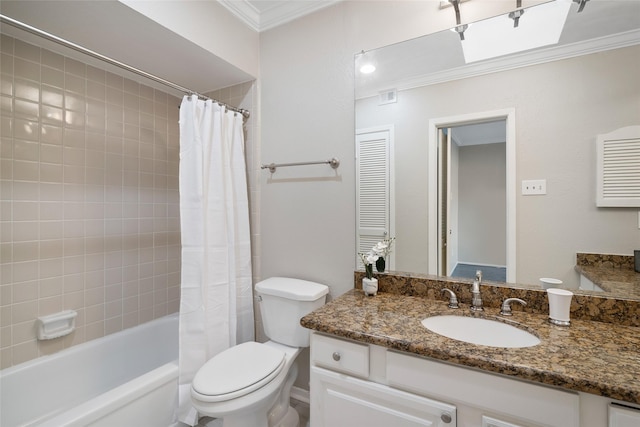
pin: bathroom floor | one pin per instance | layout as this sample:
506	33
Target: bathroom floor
495	274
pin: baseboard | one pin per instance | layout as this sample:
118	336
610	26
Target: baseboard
300	394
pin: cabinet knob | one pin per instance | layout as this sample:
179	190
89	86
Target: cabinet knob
336	356
446	418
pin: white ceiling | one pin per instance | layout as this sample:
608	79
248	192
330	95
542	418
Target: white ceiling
263	15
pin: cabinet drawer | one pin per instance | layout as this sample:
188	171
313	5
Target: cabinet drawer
339	355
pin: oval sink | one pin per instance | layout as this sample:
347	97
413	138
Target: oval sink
480	331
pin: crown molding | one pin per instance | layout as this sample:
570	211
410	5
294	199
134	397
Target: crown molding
278	14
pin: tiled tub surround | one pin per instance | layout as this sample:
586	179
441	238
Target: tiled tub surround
613	273
89	200
593	357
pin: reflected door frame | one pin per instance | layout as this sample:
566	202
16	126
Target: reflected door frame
509	115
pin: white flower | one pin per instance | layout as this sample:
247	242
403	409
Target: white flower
380	248
383	248
372	258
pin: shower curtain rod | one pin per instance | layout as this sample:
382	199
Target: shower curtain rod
38	32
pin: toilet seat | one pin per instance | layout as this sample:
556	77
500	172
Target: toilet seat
238	371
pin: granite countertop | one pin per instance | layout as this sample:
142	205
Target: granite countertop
619	281
612	273
593	357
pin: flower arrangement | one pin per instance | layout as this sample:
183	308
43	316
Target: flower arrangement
378	252
368	260
383	248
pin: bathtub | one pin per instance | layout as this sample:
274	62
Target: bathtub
125	379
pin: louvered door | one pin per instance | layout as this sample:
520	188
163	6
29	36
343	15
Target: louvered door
618	168
374	207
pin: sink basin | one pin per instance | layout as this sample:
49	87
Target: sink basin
476	330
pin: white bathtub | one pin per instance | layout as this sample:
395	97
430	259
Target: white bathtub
125	379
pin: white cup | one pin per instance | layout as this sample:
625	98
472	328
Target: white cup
559	306
548	282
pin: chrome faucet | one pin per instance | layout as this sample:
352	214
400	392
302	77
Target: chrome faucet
476	300
506	306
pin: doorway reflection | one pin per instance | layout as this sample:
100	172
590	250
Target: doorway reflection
472	202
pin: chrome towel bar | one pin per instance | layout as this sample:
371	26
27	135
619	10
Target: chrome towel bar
334	163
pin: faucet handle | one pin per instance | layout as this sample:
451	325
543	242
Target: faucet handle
479	275
506	306
453	300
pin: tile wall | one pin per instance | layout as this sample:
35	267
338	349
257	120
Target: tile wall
89	216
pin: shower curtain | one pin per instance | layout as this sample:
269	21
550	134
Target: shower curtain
216	305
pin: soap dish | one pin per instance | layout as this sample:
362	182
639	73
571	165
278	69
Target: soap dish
56	325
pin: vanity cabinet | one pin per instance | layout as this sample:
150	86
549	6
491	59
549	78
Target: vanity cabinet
623	416
354	384
343	395
344	401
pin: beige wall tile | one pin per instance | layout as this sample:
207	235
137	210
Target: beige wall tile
28	90
24	352
50	287
25	291
51	95
50	305
51	59
25	251
52	77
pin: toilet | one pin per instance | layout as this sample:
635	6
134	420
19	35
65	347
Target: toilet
249	385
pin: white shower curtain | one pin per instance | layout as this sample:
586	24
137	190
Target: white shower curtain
216	306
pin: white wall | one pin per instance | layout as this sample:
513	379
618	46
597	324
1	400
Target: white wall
307	95
307	213
482	204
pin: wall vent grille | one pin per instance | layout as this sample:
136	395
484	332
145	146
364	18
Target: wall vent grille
618	155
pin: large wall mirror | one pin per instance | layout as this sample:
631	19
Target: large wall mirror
455	136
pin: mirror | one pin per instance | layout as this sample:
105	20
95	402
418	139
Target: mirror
555	100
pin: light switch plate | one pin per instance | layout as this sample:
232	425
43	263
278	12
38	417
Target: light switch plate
534	187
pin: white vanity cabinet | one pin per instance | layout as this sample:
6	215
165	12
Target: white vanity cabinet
354	384
343	395
623	416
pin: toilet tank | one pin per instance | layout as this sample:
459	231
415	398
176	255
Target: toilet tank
283	302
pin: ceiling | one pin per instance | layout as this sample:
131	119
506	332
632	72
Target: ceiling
262	15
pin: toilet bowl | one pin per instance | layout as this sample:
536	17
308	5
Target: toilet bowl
249	385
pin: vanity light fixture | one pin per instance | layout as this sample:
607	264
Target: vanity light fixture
367	68
366	65
516	14
581	4
460	29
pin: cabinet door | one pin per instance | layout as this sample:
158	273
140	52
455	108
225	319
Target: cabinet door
623	416
338	400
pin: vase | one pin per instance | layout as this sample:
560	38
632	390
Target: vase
370	286
380	264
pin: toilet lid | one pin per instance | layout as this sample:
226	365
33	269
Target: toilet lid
238	370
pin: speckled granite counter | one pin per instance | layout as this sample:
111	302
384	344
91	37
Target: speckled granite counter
612	273
592	357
